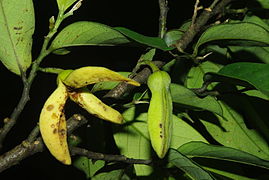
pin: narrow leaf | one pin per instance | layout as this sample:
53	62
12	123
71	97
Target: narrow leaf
242	33
188	166
203	150
154	42
88	33
17	22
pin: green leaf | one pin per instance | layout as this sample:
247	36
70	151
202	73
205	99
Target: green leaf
88	166
172	36
111	175
188	166
254	53
154	42
231	131
133	140
242	33
196	74
203	150
264	3
88	33
186	97
255	74
64	4
262	53
17	23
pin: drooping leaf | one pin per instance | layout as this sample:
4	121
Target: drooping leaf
88	166
154	42
65	4
230	129
203	150
17	22
256	74
188	166
242	33
87	33
186	97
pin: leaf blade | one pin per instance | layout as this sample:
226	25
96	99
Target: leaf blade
188	166
17	27
203	150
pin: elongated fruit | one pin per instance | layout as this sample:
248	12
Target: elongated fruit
95	106
89	75
160	112
52	124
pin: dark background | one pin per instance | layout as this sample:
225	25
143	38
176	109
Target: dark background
140	15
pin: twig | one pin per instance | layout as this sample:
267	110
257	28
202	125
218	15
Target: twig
195	12
26	148
34	133
215	8
123	88
163	4
108	157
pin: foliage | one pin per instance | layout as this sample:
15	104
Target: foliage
219	89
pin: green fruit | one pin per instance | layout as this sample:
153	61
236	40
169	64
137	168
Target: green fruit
160	112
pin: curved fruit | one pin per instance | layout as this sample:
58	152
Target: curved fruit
95	106
52	124
89	75
160	112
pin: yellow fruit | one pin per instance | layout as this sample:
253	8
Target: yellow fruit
89	75
52	124
95	106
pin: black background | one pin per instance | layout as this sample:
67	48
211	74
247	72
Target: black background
140	15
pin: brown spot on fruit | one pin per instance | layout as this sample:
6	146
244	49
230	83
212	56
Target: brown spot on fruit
17	28
161	125
50	107
52	126
161	136
103	106
54	131
62	132
54	116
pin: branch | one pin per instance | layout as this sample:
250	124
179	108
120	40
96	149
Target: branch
26	148
163	4
215	8
108	157
140	77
